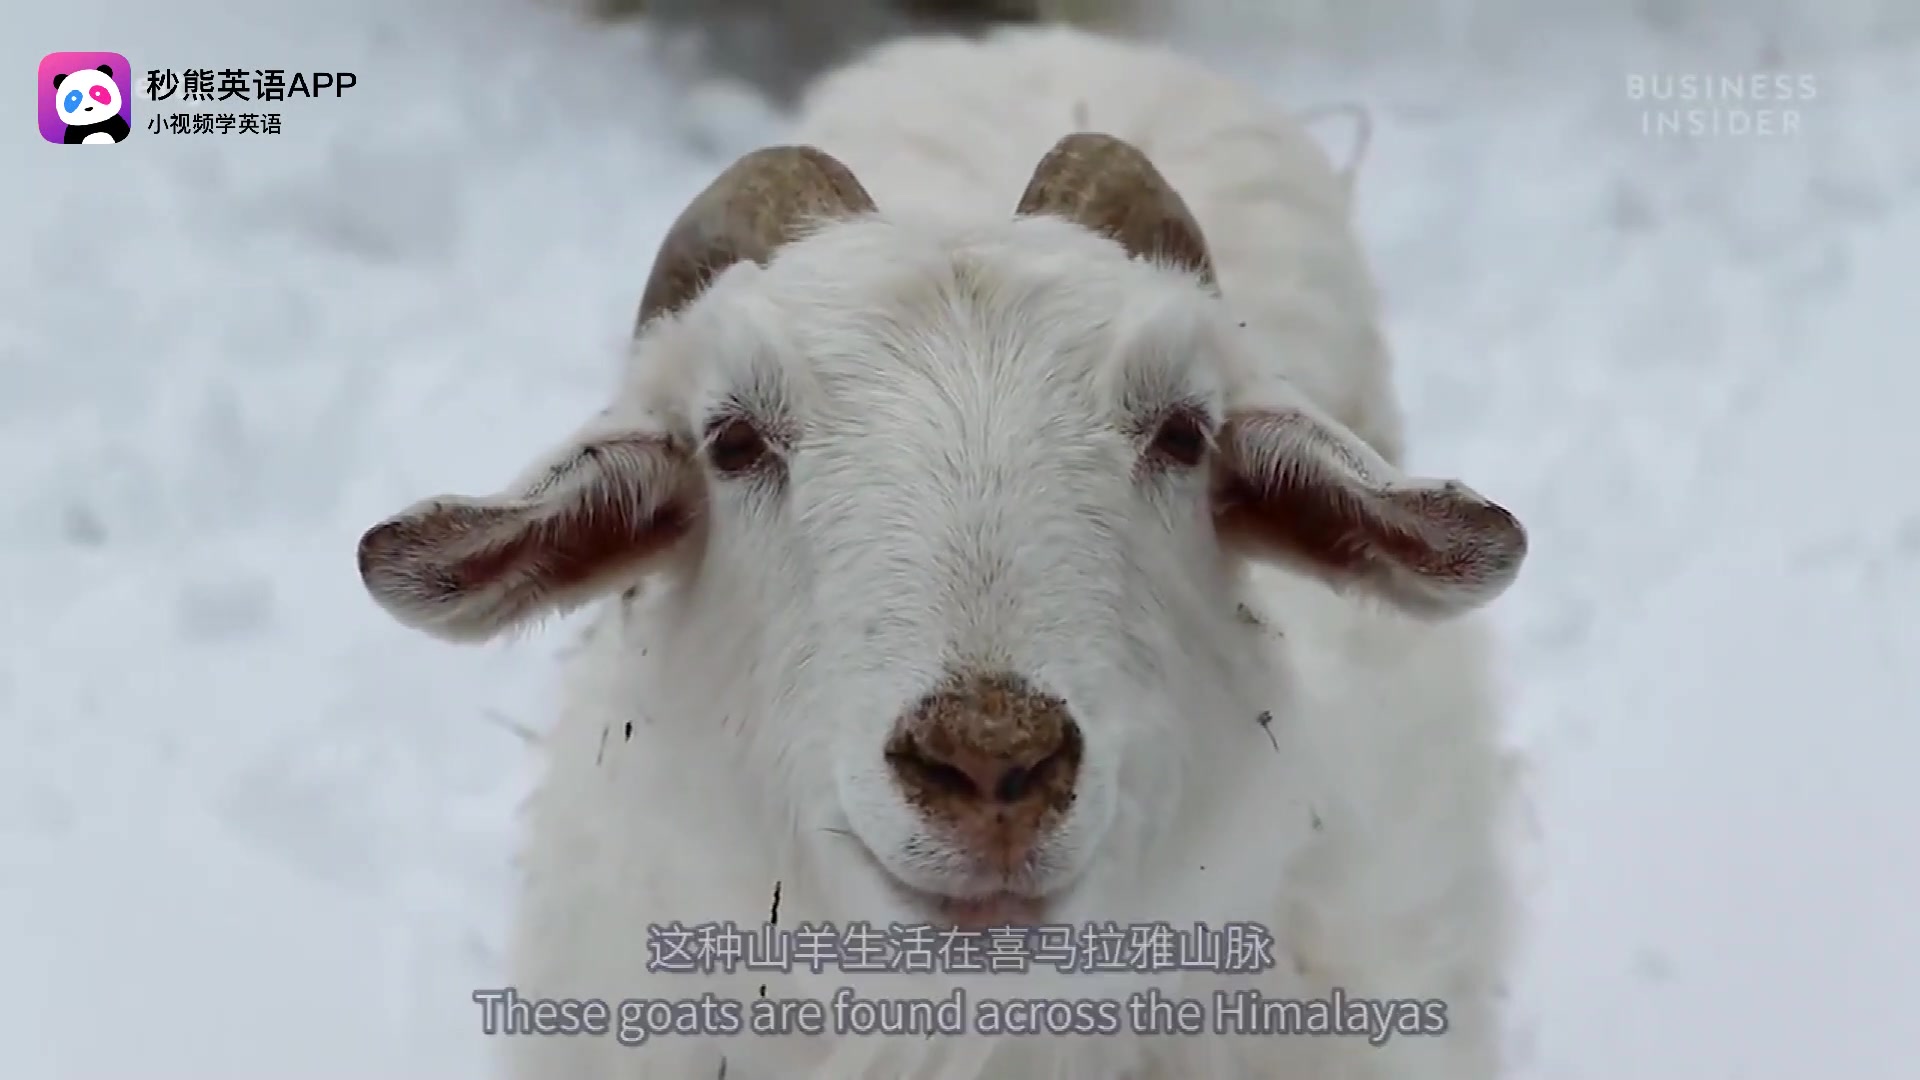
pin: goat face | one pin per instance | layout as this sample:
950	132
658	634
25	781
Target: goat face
957	518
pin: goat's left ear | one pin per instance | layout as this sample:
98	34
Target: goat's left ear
1294	486
580	524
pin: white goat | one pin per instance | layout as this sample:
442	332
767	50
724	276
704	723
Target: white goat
972	558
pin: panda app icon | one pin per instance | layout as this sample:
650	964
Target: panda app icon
85	98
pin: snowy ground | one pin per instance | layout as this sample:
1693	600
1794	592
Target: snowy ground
250	828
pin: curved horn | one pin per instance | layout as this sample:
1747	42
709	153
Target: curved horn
1109	186
760	202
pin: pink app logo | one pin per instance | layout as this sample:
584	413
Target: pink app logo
85	98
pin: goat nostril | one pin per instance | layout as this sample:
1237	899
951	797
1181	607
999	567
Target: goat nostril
1014	783
934	774
1021	781
948	778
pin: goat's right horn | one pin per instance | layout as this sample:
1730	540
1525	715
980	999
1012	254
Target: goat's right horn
1108	185
762	201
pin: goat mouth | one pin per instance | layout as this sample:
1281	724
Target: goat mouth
1010	901
991	911
973	910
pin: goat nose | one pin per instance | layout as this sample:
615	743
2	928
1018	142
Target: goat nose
984	743
964	770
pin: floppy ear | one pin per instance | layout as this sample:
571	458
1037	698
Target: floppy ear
614	499
1292	485
584	520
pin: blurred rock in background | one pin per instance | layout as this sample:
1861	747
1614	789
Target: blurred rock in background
779	45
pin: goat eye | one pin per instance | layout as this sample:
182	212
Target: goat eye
1180	440
735	446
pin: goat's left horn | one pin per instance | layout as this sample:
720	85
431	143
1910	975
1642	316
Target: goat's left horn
764	200
1109	186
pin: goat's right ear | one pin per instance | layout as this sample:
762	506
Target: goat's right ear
467	569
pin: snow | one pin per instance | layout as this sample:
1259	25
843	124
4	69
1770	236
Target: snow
249	827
